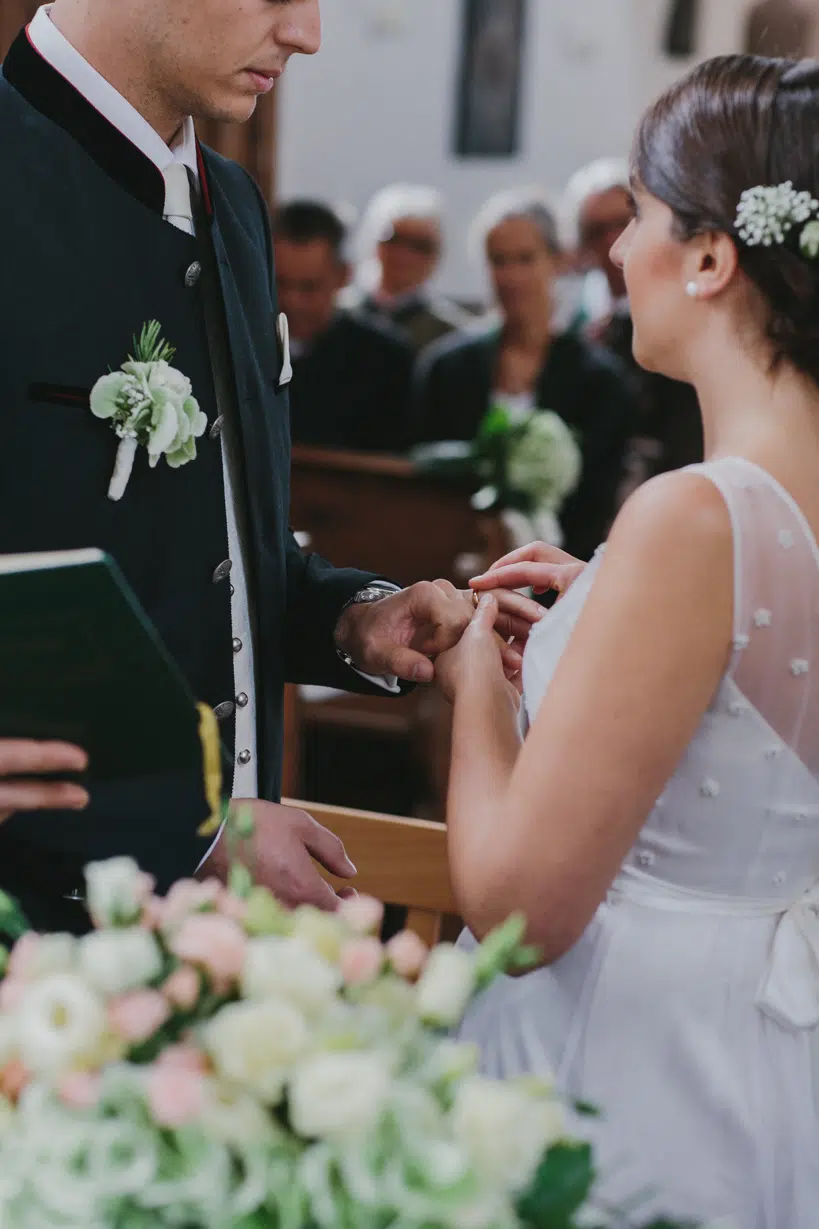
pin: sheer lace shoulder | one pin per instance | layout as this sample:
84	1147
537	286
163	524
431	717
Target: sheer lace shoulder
775	663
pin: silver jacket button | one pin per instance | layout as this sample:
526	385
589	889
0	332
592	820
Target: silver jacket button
216	427
192	274
244	757
224	710
242	699
222	571
237	645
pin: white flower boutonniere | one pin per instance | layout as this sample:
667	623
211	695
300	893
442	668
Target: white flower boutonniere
150	405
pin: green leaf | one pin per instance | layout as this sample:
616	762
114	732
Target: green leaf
561	1186
496	422
13	922
586	1110
240	881
502	951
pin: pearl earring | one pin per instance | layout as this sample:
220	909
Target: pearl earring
692	290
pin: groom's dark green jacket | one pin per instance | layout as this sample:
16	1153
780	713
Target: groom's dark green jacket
86	260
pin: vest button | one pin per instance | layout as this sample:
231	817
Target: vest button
225	710
222	571
242	699
216	428
192	274
237	645
244	757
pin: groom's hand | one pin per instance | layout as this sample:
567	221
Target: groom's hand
404	632
285	842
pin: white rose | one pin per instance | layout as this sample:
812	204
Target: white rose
506	1130
162	375
232	1116
114	961
446	986
60	1020
9	1040
336	1095
116	891
290	969
256	1045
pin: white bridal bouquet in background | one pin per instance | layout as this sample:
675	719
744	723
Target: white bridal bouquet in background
210	1060
528	466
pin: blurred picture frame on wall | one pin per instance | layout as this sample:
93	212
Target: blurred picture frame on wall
490	77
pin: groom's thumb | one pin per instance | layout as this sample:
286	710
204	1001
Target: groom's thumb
412	667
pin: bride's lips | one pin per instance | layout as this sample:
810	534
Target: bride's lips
263	82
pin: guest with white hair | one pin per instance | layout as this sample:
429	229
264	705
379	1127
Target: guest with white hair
523	362
400	246
598	206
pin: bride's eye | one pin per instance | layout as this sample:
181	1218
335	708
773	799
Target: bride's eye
634	207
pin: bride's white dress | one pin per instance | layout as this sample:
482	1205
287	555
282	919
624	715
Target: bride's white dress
689	1009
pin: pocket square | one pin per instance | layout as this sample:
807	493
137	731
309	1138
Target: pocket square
283	330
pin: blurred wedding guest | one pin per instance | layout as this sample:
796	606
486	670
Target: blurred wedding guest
351	376
669	433
524	362
401	242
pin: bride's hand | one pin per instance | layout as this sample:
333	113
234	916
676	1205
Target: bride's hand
537	566
480	653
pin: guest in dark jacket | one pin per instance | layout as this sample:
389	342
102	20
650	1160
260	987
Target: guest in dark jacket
669	427
351	376
521	363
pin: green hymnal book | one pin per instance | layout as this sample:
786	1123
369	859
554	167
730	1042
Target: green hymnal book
80	661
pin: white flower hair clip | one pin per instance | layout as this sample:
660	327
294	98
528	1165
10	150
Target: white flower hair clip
767	215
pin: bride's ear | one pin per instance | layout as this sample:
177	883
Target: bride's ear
713	263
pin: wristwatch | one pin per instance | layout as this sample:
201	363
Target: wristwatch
375	592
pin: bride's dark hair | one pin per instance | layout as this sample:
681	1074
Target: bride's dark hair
734	123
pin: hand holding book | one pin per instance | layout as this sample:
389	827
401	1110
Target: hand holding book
21	760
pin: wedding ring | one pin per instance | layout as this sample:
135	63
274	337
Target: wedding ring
475	599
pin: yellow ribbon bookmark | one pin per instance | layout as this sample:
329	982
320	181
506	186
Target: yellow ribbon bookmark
212	761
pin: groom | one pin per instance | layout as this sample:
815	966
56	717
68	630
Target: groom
112	215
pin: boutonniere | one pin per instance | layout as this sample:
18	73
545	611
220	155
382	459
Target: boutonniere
149	404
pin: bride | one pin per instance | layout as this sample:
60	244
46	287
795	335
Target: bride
659	824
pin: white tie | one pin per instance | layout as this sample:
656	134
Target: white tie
177	209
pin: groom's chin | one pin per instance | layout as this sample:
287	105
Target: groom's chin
235	107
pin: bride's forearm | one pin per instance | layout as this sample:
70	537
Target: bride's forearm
485	745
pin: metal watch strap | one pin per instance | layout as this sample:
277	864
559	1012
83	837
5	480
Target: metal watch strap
370	593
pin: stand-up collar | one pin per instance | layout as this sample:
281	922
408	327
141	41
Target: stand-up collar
55	79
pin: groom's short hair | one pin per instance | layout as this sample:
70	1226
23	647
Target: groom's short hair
305	221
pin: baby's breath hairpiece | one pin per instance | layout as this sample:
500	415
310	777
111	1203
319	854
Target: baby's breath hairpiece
767	215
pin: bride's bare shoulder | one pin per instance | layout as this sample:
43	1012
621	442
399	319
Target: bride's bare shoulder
679	511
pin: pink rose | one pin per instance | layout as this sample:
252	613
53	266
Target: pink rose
231	906
407	953
361	961
182	987
80	1090
12	993
363	914
183	1058
136	1016
176	1096
189	896
13	1079
153	912
216	943
22	955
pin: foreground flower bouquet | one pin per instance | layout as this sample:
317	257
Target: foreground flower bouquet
212	1061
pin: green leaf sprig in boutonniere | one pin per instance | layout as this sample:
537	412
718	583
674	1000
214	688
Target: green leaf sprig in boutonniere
149	404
